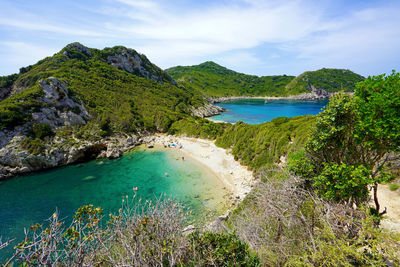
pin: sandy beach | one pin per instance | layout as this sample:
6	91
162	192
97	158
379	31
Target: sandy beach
237	178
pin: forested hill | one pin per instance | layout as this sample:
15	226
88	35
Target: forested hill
330	80
213	80
118	87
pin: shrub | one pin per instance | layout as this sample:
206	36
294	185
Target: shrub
42	130
218	249
34	146
343	182
394	186
300	164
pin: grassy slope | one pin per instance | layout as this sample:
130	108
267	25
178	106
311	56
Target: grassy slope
128	101
214	80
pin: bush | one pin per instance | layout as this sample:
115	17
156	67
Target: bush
394	187
218	249
42	130
34	146
343	182
300	164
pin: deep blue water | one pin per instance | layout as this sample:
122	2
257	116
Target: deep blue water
256	111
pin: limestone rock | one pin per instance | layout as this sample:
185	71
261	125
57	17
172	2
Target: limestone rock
129	60
79	47
207	110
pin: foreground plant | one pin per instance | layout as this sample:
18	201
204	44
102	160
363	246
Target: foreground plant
140	234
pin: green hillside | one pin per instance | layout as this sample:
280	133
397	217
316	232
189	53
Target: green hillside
119	87
213	80
330	80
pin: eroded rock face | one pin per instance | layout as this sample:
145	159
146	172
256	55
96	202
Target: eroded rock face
207	110
14	160
62	110
130	61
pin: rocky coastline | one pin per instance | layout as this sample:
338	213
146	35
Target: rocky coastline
314	94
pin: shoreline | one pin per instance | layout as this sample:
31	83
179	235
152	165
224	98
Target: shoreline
295	97
236	178
315	94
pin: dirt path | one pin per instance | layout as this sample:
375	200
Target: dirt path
390	200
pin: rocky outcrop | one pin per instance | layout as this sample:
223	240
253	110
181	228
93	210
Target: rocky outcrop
207	110
314	94
130	61
61	109
14	160
76	46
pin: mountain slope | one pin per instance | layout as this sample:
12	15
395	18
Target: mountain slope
213	80
115	84
82	103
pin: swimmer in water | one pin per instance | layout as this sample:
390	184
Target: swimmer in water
166	174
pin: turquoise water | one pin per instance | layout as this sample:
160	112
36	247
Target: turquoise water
31	199
256	111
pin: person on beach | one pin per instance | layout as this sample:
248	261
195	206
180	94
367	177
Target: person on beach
183	158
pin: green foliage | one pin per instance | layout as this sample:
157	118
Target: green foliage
378	110
394	186
332	139
213	80
299	164
214	249
330	80
34	146
129	102
41	130
353	133
7	81
344	182
197	127
370	247
264	144
17	109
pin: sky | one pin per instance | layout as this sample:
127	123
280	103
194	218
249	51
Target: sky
260	37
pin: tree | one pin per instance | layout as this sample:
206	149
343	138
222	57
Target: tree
354	132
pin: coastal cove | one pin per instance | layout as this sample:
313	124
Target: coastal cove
260	110
185	173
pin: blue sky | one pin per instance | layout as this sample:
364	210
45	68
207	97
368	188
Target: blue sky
261	37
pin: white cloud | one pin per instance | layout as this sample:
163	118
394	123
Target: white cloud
21	54
303	34
366	38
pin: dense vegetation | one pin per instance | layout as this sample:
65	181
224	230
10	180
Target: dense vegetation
354	141
213	80
330	80
253	145
125	100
